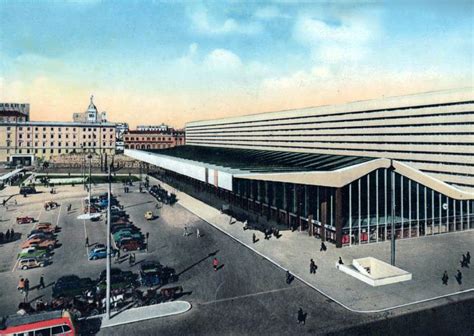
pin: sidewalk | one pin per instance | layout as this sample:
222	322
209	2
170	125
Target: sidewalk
426	258
145	313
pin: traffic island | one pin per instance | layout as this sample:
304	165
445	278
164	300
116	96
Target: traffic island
374	272
145	313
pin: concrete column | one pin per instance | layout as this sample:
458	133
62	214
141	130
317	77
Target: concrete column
323	211
338	220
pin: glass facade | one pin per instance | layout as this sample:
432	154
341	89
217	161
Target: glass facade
418	211
360	212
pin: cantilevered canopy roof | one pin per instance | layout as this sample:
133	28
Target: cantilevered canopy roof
244	161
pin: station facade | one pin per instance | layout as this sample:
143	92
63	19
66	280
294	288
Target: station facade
350	174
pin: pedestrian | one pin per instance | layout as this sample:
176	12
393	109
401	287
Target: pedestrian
323	247
27	285
312	267
1	236
301	316
215	264
254	238
468	257
134	257
198	234
41	283
12	234
464	261
21	285
69	207
289	277
340	261
7	235
185	232
87	242
445	278
459	277
4	202
130	260
16	202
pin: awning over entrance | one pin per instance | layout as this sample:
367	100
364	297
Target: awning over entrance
218	166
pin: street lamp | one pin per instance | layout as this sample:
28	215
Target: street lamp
90	185
107	302
392	240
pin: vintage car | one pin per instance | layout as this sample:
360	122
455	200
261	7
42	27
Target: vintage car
46	227
31	252
152	273
39	242
149	215
24	220
32	262
131	244
50	205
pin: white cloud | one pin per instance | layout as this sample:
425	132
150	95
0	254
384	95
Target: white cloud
222	59
270	12
205	24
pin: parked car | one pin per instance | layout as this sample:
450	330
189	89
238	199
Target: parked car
32	262
119	220
115	228
32	251
99	253
131	244
71	285
152	273
46	227
120	235
27	190
41	234
149	215
118	279
38	242
24	220
50	205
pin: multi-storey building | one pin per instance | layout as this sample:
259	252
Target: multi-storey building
153	128
338	171
153	139
22	142
13	112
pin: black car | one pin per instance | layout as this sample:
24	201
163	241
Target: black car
152	273
27	190
118	279
130	227
71	285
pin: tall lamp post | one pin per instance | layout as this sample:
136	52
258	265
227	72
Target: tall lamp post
392	189
107	300
90	185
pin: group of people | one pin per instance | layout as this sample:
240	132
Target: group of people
24	286
7	236
273	231
465	261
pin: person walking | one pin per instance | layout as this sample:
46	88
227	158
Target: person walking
130	260
340	261
312	267
12	234
87	242
289	277
468	257
323	247
215	264
198	234
301	318
445	278
464	261
254	238
41	283
459	277
27	285
21	285
185	231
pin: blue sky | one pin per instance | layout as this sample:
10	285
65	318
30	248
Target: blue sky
164	61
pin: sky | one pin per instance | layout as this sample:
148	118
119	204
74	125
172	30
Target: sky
148	62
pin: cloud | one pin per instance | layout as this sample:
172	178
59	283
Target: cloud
343	39
222	59
270	12
205	24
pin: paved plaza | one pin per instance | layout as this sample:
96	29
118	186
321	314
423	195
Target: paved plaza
426	258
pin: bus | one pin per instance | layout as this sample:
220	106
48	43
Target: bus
53	323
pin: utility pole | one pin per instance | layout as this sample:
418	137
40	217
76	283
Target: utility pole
107	302
90	184
392	241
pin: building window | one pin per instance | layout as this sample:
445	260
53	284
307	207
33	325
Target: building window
36	136
8	128
36	129
52	129
44	136
20	128
59	136
44	129
20	136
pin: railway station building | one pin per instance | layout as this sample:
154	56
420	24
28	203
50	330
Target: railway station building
351	174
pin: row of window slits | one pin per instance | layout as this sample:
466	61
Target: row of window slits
334	114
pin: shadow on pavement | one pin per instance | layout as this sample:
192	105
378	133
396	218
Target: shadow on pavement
198	262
